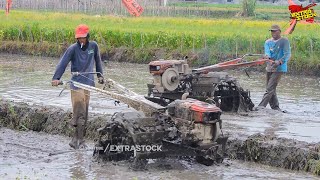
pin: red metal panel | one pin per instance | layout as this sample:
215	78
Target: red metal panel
133	7
8	6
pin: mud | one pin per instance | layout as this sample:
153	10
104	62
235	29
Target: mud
268	137
24	155
268	150
277	152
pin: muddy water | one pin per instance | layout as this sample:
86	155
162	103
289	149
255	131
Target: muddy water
299	95
25	154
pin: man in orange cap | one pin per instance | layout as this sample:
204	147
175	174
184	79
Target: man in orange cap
83	55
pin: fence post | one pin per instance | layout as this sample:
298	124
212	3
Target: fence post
100	9
67	6
120	8
85	6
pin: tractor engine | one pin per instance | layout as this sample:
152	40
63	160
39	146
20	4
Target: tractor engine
167	74
188	128
173	79
199	122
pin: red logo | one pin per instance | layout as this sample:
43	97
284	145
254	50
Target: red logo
299	13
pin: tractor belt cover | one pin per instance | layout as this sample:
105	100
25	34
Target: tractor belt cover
197	111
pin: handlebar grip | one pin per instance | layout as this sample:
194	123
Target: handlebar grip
60	83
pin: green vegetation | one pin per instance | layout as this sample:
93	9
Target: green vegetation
313	166
236	6
262	11
248	7
223	38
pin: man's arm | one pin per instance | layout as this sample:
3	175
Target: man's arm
98	63
97	59
286	52
61	67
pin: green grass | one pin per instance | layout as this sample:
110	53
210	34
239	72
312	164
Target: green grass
223	37
195	26
235	6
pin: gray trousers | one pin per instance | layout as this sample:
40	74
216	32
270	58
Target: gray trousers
270	96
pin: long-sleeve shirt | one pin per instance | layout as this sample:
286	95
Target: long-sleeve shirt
81	61
278	50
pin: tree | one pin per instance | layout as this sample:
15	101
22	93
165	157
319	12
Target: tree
248	8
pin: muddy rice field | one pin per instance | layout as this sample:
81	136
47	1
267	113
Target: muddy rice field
263	144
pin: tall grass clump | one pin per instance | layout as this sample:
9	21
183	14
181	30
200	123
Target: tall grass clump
248	7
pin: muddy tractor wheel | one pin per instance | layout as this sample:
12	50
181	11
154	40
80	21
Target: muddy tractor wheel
115	136
110	145
230	97
127	136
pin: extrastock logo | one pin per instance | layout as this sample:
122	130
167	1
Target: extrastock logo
300	14
129	148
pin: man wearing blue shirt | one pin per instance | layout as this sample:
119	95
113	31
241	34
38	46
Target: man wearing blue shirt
83	55
278	50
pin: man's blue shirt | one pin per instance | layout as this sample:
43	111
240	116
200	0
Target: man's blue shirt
81	61
278	50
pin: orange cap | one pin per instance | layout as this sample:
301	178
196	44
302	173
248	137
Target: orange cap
82	31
